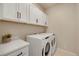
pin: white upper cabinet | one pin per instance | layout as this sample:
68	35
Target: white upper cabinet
33	14
23	11
37	16
18	12
8	11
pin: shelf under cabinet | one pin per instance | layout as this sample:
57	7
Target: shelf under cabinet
11	21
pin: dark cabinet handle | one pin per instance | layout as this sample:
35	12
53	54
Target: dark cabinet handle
17	14
45	23
36	20
20	15
20	54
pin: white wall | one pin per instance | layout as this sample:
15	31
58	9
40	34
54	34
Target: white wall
77	29
20	30
63	23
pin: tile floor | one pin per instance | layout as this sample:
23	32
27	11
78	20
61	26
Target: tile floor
61	52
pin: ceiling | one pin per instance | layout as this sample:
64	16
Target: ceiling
46	5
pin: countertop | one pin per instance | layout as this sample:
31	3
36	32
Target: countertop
12	46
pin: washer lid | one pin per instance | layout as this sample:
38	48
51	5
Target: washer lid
12	46
40	36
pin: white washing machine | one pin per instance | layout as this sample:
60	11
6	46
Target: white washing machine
40	44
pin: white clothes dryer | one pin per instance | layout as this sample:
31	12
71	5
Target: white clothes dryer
39	45
53	44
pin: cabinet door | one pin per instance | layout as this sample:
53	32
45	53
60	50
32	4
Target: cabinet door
37	16
45	20
10	11
41	18
23	10
33	14
21	52
1	11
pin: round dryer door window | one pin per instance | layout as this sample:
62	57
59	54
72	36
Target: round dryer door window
47	49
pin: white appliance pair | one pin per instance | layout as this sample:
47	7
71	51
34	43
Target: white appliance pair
42	44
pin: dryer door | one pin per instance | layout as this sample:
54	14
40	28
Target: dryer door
47	49
53	42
